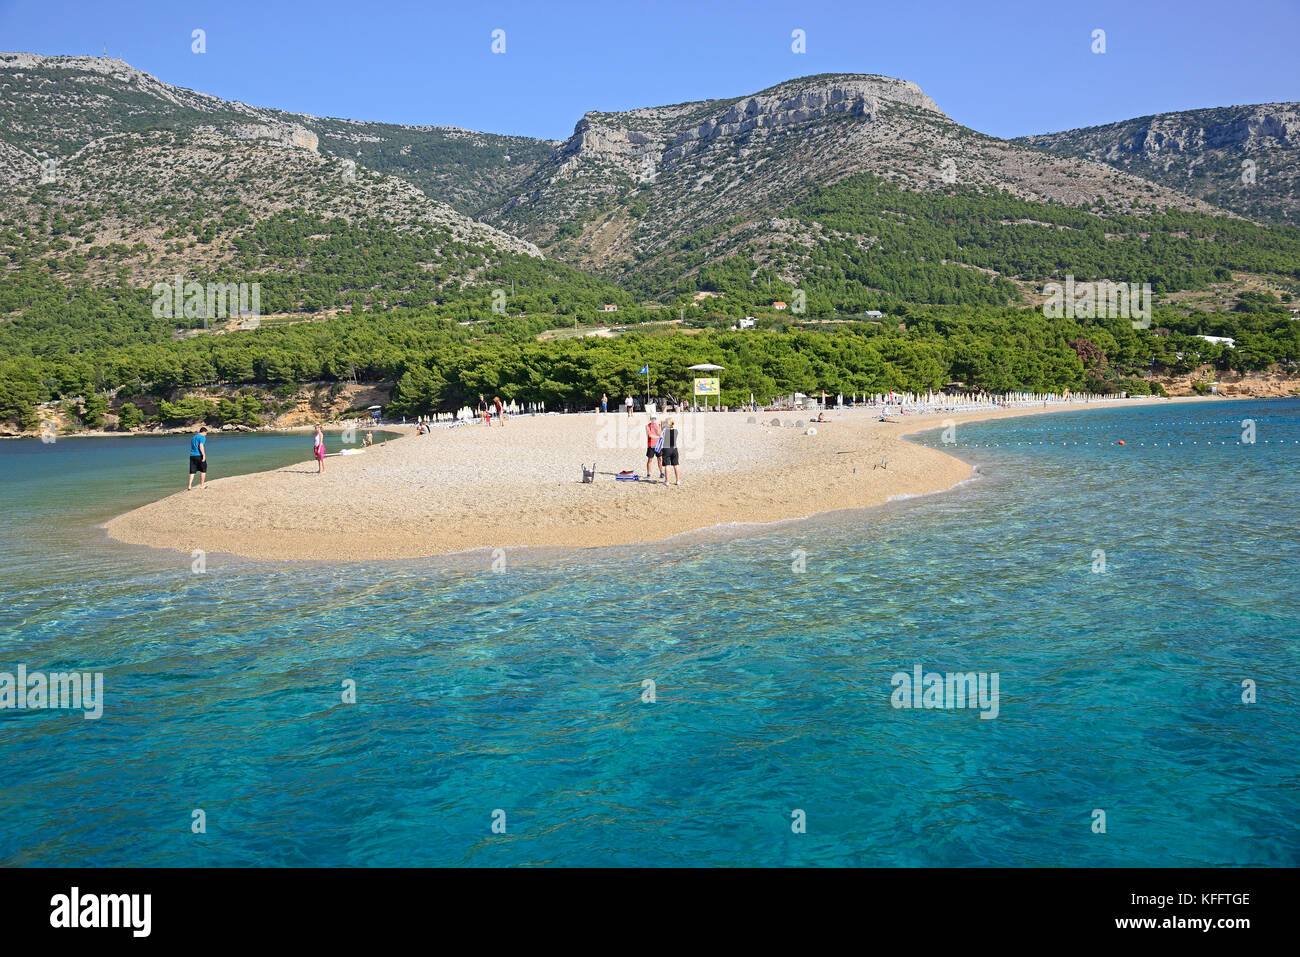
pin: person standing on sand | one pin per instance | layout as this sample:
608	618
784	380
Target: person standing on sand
671	455
604	402
318	449
654	442
628	403
199	458
483	410
501	412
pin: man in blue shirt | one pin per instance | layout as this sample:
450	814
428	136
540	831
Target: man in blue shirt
198	459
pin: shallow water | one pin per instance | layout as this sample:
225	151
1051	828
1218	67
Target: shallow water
519	689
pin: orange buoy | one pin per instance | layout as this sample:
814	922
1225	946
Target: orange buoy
1121	441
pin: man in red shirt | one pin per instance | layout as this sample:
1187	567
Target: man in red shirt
654	442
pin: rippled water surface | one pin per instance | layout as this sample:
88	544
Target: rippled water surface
521	690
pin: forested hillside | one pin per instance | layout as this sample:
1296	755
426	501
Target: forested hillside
865	242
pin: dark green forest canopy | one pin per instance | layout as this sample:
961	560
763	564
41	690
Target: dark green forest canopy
440	365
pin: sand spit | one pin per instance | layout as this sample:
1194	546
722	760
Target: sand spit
520	485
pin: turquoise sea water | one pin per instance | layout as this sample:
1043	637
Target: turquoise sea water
520	689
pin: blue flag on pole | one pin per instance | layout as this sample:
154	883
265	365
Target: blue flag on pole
645	371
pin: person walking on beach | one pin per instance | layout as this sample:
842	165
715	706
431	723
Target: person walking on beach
628	403
483	412
318	449
199	458
501	412
604	402
370	439
671	453
654	443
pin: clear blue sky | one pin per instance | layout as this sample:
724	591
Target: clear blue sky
1002	68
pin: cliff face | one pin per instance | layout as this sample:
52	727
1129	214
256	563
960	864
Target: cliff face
1260	129
784	107
1243	158
670	133
286	135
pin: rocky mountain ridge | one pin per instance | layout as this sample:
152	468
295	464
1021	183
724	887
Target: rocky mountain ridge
643	197
615	195
1242	158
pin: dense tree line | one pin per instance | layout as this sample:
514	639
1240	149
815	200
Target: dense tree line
438	365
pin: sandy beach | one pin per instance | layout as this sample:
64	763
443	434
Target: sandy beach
520	485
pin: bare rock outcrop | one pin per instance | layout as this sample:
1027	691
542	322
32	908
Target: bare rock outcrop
283	134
